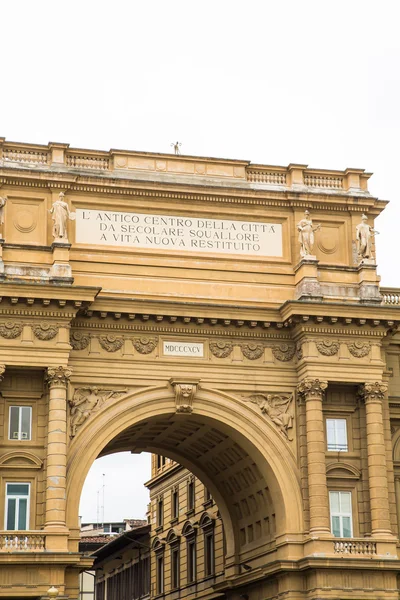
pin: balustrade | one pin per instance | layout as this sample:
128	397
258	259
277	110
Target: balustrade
262	176
25	156
354	547
80	161
22	541
323	181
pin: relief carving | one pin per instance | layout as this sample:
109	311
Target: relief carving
221	349
251	350
278	408
85	401
145	345
185	391
373	391
299	350
110	342
284	352
10	331
328	347
359	349
58	375
79	340
312	388
45	331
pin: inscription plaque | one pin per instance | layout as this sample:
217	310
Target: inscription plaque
193	349
172	232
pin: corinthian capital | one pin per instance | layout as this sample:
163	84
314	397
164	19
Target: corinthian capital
312	388
185	391
2	369
58	375
373	391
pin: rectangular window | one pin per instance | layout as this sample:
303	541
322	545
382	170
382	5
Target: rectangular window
17	506
20	423
160	513
209	553
341	514
191	558
207	495
191	495
175	505
160	461
175	568
160	574
336	433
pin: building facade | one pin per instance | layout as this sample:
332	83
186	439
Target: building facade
226	315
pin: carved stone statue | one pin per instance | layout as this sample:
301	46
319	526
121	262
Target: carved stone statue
3	200
87	400
306	231
60	215
364	235
278	408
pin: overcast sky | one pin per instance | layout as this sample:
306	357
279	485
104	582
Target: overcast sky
274	82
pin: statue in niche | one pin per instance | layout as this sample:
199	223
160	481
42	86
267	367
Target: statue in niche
3	201
364	236
60	214
87	400
306	231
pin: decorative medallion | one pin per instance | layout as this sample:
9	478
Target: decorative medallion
10	331
45	331
221	349
277	407
145	345
110	342
252	351
328	347
359	349
78	340
284	352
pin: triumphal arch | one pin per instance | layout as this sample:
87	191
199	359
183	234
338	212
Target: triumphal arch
224	314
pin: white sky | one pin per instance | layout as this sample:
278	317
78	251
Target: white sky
314	82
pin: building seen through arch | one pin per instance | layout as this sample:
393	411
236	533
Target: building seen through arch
227	316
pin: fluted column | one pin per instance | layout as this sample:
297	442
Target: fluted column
312	391
57	379
373	394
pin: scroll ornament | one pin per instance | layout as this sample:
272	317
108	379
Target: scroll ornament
251	350
221	349
145	345
45	331
79	340
278	408
110	342
328	347
284	352
85	401
359	349
10	331
185	391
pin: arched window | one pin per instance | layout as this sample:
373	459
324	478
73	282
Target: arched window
191	551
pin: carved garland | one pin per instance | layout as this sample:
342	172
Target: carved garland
252	351
10	331
45	331
145	345
284	352
359	349
110	342
328	347
221	349
78	340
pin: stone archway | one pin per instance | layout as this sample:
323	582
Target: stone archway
241	458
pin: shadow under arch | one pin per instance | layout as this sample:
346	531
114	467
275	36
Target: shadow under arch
226	443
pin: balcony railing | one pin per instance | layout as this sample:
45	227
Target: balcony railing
354	547
22	541
391	296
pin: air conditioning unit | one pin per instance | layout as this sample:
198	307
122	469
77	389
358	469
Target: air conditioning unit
15	435
24	436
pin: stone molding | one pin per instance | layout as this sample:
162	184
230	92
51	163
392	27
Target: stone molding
58	376
185	391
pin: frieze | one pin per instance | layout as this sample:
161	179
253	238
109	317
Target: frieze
110	342
45	331
359	349
284	352
251	350
145	345
328	347
221	349
278	408
10	330
86	401
78	340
